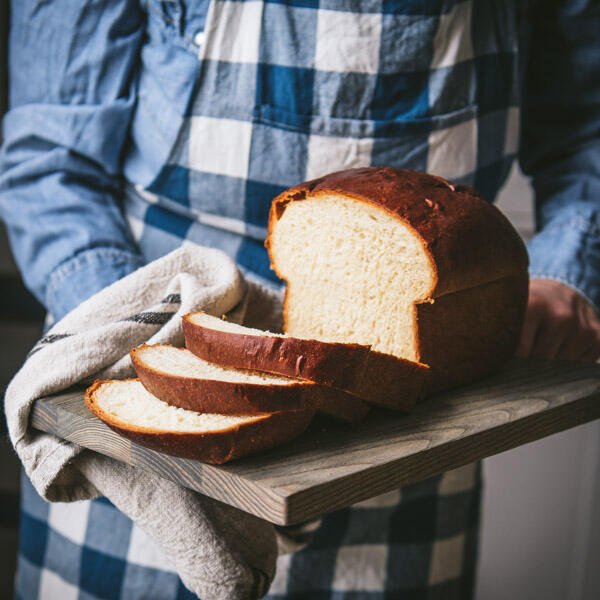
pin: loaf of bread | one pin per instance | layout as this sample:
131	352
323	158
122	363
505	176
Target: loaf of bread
378	378
404	262
179	378
396	281
129	409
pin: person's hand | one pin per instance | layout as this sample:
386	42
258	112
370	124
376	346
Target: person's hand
559	323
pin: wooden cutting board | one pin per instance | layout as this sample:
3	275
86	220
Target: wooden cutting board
333	465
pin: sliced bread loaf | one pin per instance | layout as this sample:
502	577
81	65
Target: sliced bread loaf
406	262
180	378
378	378
129	409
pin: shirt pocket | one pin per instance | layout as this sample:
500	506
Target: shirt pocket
312	145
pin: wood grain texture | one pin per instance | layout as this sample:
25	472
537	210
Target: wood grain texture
334	465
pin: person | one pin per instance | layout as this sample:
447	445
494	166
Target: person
134	126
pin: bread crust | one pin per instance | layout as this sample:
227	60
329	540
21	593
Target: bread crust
353	368
221	397
215	447
470	245
468	240
340	405
471	333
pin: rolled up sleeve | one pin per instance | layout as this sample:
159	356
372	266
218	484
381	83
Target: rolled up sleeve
72	92
560	146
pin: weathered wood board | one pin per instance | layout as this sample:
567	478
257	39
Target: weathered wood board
333	465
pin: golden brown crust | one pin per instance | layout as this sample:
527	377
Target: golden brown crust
470	334
463	330
392	382
353	368
214	447
340	405
221	397
469	241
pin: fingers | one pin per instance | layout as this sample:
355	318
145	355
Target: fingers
564	341
582	345
533	319
549	341
527	338
592	355
559	324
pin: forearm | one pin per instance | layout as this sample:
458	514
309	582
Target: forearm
566	247
71	98
560	146
67	233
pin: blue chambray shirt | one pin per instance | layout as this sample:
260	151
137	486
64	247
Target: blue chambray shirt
136	125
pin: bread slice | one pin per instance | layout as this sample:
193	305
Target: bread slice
180	378
339	405
375	377
406	262
129	409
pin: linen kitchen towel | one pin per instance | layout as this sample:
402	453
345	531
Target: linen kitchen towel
218	551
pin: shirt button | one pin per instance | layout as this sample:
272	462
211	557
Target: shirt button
199	38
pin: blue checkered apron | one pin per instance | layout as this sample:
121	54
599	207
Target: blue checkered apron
284	91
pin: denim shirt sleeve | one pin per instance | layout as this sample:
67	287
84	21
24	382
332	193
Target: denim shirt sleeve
72	92
560	146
